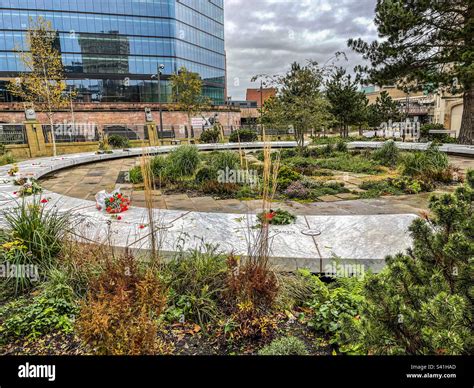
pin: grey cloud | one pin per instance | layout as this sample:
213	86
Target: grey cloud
265	36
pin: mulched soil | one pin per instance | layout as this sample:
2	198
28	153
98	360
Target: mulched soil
187	339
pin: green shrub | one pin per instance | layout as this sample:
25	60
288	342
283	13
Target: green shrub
196	281
135	175
341	146
52	309
285	346
297	289
117	141
427	293
439	137
243	136
331	309
220	161
430	166
220	189
158	166
276	217
41	230
210	136
183	162
286	176
205	174
470	177
357	164
6	159
387	155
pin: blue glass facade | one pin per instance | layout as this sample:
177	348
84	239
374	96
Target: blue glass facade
111	48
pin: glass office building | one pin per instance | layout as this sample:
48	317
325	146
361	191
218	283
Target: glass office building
111	48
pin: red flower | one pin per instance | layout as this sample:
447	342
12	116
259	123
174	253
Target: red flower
119	218
112	199
142	226
270	216
15	193
119	195
109	209
44	200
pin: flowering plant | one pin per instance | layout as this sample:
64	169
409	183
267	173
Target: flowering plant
276	217
116	203
13	170
29	188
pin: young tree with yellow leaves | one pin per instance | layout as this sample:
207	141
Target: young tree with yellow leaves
42	83
187	93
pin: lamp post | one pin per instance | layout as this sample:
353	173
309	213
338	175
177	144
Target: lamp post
158	78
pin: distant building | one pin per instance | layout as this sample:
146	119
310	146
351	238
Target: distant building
111	49
441	108
260	95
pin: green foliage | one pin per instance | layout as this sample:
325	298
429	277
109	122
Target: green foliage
393	186
470	178
348	104
135	175
296	289
285	346
286	176
53	308
196	282
343	162
276	217
422	302
41	230
299	101
220	161
6	158
407	30
431	166
183	162
387	155
331	311
186	89
243	136
205	174
341	146
210	136
117	141
220	189
158	166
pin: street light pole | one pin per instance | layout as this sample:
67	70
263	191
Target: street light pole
158	77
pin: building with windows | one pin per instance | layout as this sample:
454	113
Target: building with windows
111	48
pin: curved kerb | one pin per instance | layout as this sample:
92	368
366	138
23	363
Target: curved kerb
351	243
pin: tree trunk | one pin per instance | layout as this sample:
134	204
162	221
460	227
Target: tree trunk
466	134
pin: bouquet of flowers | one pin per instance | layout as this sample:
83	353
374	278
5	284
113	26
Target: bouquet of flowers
112	203
30	187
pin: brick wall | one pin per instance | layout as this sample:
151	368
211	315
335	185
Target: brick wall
101	114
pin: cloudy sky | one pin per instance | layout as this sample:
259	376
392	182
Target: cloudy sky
265	36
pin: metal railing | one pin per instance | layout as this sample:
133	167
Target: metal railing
70	133
129	131
13	134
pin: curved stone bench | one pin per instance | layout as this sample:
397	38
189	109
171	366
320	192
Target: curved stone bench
358	242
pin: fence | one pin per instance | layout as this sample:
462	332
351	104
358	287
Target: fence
70	133
13	134
131	132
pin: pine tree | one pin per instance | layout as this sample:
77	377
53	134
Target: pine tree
425	45
348	104
422	302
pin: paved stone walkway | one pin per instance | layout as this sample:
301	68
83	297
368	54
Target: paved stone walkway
85	181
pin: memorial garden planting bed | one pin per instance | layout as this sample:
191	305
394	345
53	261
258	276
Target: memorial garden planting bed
209	283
